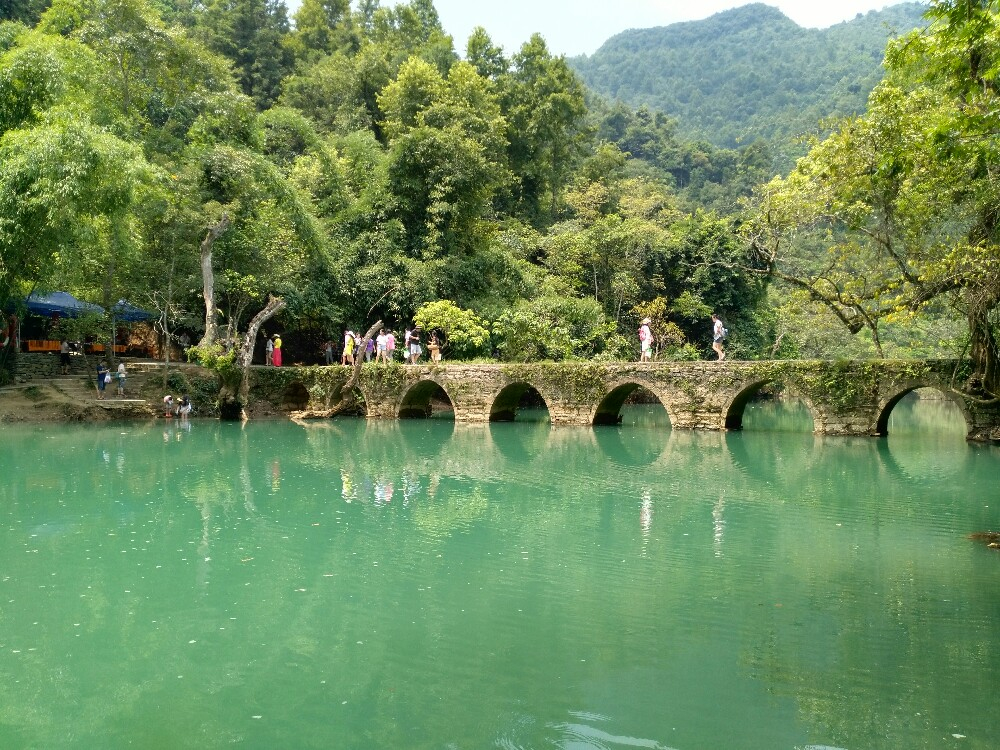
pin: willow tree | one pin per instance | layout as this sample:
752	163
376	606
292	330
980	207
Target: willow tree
904	199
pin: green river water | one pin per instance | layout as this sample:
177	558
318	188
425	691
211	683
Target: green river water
431	585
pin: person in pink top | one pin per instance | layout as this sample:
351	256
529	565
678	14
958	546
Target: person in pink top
645	341
390	346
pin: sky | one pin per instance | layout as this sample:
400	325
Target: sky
575	27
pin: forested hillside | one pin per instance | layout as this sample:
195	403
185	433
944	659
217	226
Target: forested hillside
748	73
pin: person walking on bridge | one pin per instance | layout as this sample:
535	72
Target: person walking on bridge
380	350
347	358
718	336
645	341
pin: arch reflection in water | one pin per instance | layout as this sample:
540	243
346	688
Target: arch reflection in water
380	461
926	438
631	404
522	443
384	441
520	401
784	460
633	446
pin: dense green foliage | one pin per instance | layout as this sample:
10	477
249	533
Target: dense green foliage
901	202
355	166
359	167
749	73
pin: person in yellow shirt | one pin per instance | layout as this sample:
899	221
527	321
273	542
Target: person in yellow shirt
276	357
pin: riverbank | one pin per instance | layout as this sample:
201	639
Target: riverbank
48	401
40	395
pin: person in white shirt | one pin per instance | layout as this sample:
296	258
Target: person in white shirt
645	341
718	335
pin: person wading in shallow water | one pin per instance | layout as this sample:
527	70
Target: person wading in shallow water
718	336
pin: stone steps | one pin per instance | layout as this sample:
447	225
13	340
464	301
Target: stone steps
83	390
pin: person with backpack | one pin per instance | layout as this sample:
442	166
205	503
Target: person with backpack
719	334
415	350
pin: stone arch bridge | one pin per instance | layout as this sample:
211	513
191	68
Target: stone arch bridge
844	398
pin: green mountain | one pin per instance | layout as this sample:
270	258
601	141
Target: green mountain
748	73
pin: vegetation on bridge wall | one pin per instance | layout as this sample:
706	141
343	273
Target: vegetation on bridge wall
383	381
841	387
845	384
584	382
272	384
324	384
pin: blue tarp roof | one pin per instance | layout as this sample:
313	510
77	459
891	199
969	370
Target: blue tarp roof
60	303
130	313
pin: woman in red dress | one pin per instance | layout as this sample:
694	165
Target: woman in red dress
277	350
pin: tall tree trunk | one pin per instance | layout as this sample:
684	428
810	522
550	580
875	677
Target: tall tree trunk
208	281
983	347
347	400
106	298
234	396
165	317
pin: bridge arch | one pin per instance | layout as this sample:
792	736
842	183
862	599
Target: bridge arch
886	406
608	411
417	401
294	396
361	401
733	412
504	405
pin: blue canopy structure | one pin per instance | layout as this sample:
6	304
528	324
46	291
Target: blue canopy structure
128	312
60	303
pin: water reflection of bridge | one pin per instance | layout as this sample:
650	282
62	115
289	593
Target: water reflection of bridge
787	462
843	398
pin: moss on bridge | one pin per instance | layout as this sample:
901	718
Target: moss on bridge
846	397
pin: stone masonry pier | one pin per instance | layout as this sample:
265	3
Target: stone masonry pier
845	398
